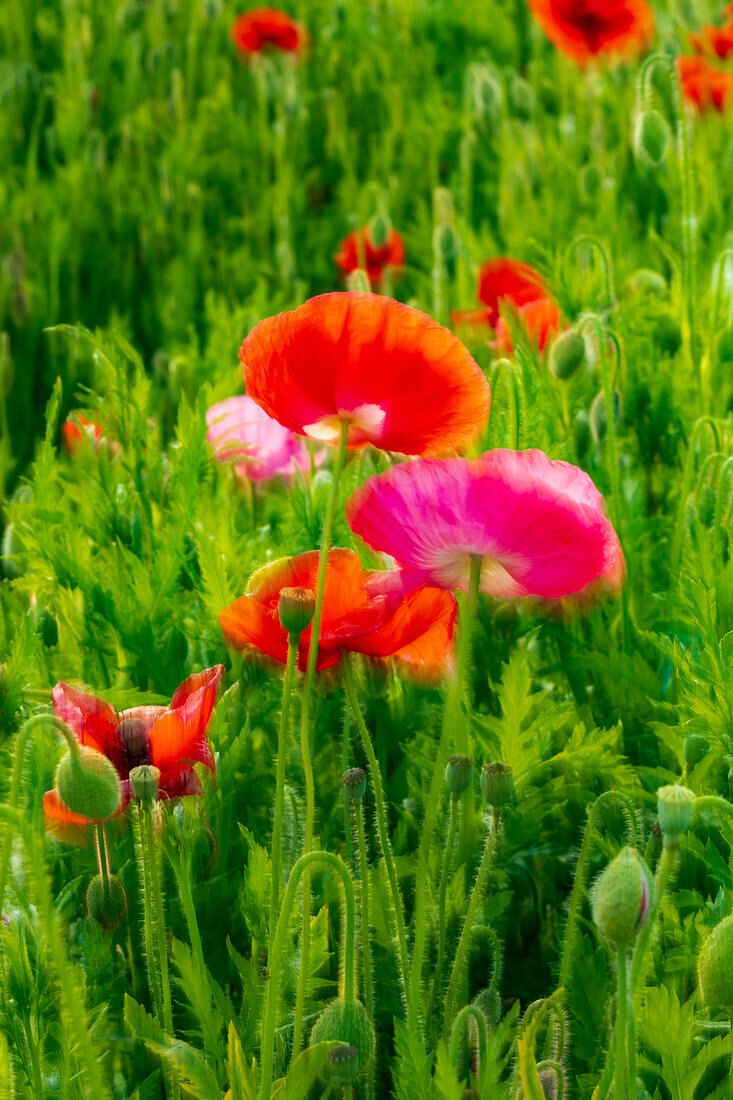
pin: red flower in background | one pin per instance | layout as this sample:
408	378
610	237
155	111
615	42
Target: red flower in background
417	630
78	432
715	40
703	85
584	29
504	279
172	738
256	30
357	250
540	320
503	284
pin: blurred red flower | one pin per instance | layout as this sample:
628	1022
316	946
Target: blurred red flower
172	738
504	283
714	40
78	432
703	85
541	320
256	30
503	279
584	29
357	250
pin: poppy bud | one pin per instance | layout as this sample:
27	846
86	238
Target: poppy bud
342	1064
675	805
106	903
458	775
567	354
581	433
651	137
487	94
144	782
715	967
358	280
695	748
88	784
445	242
346	1022
295	609
620	897
497	784
598	418
489	1002
646	281
378	230
353	784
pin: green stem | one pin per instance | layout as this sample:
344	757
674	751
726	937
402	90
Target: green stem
445	872
619	1087
282	752
101	857
448	732
467	1013
665	867
148	920
301	867
464	943
310	675
588	240
366	946
183	882
381	814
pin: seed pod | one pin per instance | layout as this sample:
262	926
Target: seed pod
567	354
458	774
106	905
651	138
497	784
353	785
620	897
347	1023
695	749
715	967
675	805
295	609
144	783
88	784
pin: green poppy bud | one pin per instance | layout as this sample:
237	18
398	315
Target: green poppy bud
295	609
567	354
458	775
342	1065
144	783
347	1022
715	967
497	784
353	785
106	903
621	897
647	282
581	433
598	419
445	242
88	784
489	1002
358	280
675	805
695	749
651	138
487	94
378	230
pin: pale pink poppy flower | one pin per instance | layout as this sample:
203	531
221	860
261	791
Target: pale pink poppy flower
241	432
539	526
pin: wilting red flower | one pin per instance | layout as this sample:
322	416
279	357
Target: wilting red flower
416	630
78	432
703	85
357	250
584	29
540	320
172	738
402	381
714	40
254	31
506	280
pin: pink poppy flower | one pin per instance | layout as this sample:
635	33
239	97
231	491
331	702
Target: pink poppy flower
241	432
539	526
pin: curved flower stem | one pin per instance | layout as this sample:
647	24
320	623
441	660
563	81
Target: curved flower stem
445	872
72	997
282	751
451	730
366	946
310	793
16	779
381	815
588	240
468	1012
466	933
301	867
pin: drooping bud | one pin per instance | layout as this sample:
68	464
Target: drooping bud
598	418
378	230
675	805
621	897
646	281
106	904
695	749
651	138
353	785
567	354
497	784
715	967
458	774
144	783
346	1022
489	1002
88	784
295	609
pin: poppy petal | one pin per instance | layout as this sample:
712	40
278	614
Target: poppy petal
180	732
179	780
92	719
419	632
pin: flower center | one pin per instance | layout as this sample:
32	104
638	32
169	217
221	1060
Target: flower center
365	425
134	741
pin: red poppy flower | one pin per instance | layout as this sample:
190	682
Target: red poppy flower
703	85
714	40
584	29
417	629
357	250
254	31
402	381
172	738
504	279
78	432
540	320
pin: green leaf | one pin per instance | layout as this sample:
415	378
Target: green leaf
304	1072
189	1065
413	1079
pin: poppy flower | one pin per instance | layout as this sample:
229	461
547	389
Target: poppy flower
506	280
714	40
539	526
358	250
584	29
78	432
401	381
172	738
540	320
241	432
706	87
416	630
256	30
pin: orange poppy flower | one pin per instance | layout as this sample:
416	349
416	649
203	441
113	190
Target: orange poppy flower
358	250
172	738
504	279
402	381
584	29
703	85
714	40
78	432
261	28
416	630
541	320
